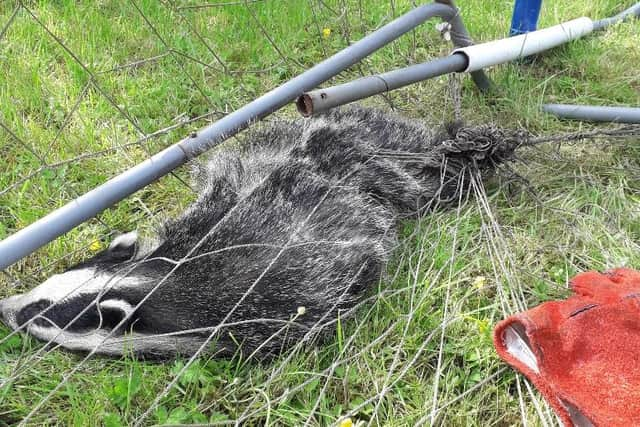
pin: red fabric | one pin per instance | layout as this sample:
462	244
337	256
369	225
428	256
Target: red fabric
587	348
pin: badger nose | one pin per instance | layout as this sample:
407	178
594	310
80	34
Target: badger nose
7	313
3	304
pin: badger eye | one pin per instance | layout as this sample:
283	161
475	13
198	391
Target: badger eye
80	314
32	310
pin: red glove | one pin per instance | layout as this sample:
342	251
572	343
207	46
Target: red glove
583	354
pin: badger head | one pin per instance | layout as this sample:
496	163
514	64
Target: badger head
92	306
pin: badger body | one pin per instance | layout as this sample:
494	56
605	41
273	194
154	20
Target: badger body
288	229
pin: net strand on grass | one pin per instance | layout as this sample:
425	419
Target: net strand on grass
420	289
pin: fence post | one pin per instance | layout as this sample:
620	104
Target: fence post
525	16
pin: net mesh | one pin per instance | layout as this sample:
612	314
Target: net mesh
94	89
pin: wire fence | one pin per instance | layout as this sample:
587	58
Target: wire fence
93	89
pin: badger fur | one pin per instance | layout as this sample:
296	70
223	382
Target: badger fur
288	229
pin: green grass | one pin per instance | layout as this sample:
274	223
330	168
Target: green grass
510	247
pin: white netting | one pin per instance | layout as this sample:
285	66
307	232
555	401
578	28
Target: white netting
90	90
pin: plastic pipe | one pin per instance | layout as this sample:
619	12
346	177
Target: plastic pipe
491	53
525	16
461	38
321	100
30	238
482	55
509	49
594	114
632	12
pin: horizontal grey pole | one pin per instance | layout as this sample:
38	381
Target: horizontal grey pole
594	113
88	205
30	238
632	12
279	97
320	100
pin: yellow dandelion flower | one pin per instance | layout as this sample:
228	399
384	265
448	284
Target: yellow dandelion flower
483	326
326	32
95	246
346	423
480	282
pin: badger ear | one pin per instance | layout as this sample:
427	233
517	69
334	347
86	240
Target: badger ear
113	311
124	246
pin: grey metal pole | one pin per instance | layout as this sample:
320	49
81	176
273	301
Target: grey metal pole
632	12
594	113
30	238
320	100
461	38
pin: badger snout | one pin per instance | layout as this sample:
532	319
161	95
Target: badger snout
8	308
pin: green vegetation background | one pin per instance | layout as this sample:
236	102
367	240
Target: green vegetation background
81	109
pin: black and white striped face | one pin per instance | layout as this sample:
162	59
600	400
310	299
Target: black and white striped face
89	307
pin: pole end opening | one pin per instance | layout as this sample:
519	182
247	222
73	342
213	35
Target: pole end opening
304	104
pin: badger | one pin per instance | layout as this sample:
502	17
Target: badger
290	228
